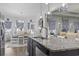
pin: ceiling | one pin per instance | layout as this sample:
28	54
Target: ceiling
32	10
28	10
74	7
19	9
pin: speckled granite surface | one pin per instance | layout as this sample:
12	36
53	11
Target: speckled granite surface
56	43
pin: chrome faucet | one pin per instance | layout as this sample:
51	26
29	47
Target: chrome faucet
46	31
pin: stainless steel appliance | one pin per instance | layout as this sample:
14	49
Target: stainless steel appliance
2	41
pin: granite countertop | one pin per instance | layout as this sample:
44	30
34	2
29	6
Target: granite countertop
59	44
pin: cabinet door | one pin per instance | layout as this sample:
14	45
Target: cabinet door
52	23
39	52
76	25
21	40
65	24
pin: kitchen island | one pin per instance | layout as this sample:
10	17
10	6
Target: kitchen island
54	46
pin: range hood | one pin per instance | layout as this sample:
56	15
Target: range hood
65	13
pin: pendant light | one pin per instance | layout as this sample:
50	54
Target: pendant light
48	7
64	7
41	10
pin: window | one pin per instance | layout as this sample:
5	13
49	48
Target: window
20	24
30	25
8	24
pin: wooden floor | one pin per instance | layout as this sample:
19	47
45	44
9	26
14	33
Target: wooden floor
17	51
20	51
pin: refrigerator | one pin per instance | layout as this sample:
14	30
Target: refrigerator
2	41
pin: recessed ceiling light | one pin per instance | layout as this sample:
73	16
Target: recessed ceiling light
46	3
63	5
48	12
41	17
